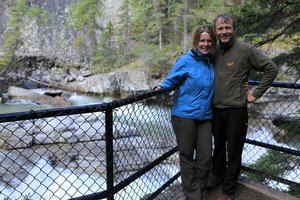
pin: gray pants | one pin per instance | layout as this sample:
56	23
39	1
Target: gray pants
194	139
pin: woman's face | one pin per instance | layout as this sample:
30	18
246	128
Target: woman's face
205	43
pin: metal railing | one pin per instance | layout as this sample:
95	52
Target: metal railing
126	149
272	151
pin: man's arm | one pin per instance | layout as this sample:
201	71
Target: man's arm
262	63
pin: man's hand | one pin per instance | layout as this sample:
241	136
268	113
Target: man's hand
247	86
250	97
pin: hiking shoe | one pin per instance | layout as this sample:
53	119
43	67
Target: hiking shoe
213	182
225	197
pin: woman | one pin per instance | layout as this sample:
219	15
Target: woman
192	113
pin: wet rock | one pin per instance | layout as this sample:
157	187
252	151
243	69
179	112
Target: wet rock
20	93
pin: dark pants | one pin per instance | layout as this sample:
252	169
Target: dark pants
229	130
194	139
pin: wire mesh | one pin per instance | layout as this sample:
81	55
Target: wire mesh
150	136
52	158
63	153
274	124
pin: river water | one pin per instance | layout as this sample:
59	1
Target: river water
73	179
63	183
74	98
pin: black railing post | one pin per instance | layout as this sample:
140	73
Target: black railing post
109	153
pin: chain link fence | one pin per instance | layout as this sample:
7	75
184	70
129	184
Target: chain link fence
126	149
119	150
272	151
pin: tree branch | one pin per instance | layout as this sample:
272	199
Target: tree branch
278	34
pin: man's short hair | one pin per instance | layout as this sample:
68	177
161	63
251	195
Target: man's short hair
226	18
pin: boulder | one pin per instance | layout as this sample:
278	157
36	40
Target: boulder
20	93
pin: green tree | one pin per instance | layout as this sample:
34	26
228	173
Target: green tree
83	15
269	22
105	56
264	21
162	26
140	20
124	34
20	13
17	11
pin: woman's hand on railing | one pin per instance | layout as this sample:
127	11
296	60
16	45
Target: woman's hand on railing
157	88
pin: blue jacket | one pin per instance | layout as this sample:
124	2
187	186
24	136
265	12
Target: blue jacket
195	75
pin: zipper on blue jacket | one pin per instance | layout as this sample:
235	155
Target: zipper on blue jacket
189	94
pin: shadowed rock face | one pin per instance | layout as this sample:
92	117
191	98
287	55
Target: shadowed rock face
54	39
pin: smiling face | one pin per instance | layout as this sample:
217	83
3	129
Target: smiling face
205	43
224	30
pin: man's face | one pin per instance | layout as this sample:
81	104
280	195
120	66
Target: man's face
224	30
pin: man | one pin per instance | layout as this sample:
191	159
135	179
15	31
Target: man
234	60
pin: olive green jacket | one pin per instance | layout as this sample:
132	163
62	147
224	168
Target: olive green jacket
233	64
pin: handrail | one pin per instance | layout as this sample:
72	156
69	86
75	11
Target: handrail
35	114
108	110
278	84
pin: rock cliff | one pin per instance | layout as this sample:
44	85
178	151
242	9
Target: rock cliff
54	39
47	56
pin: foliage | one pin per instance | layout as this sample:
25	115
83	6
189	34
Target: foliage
141	12
291	58
12	36
19	12
38	14
158	61
274	163
123	35
105	56
155	23
161	24
292	128
83	14
269	22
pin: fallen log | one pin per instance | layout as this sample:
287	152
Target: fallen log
39	82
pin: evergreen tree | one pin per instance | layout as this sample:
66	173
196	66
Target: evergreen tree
106	54
21	13
125	33
175	22
185	25
17	11
264	21
82	17
268	22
